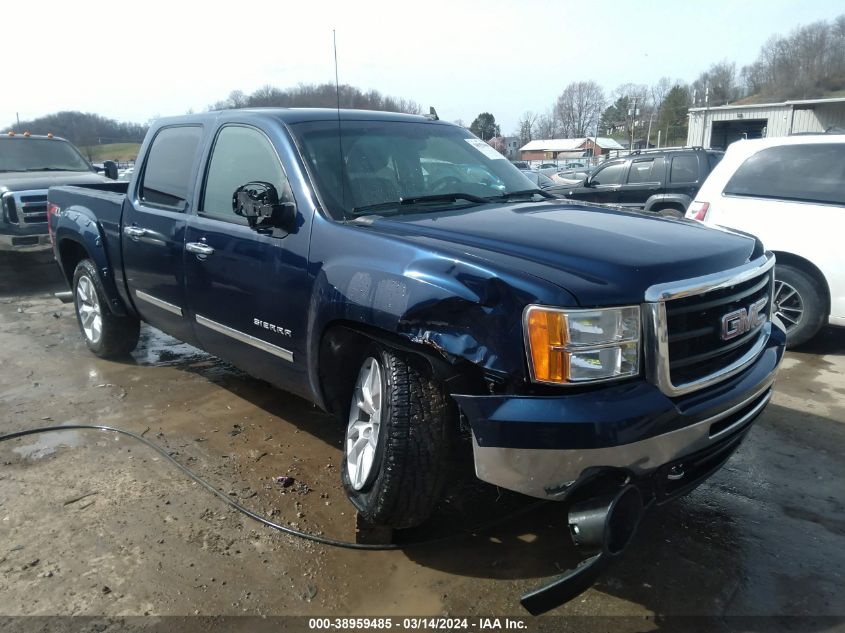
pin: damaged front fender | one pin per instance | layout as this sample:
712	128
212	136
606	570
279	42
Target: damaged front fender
461	311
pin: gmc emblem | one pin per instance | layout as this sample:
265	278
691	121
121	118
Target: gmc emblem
742	320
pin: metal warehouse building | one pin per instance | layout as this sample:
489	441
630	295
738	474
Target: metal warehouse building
719	127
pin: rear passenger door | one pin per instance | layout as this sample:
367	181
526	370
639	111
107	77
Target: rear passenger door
246	289
684	173
645	179
153	229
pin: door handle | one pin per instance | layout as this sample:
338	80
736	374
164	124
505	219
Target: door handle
198	248
134	232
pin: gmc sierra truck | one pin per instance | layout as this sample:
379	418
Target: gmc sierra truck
29	165
401	274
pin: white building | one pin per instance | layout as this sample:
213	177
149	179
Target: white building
719	127
560	148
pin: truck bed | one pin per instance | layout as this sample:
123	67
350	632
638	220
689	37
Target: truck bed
103	204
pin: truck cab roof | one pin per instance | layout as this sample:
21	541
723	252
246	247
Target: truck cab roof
300	115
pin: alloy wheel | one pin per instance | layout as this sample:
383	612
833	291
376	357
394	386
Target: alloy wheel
362	434
88	308
789	307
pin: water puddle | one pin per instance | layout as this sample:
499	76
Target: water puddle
41	446
159	349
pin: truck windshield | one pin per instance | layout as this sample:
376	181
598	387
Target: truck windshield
397	167
40	154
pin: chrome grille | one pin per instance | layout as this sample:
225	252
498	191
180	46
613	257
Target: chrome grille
700	330
696	344
31	206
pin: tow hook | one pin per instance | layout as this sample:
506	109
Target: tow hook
601	527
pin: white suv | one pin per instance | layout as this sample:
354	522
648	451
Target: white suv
789	192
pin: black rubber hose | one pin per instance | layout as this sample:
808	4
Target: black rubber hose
253	515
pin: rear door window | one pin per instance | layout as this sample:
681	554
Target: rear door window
684	168
807	173
646	170
610	175
170	165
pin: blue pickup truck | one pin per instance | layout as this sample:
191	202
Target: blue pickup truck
404	276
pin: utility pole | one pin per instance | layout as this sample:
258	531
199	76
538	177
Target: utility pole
596	147
18	117
633	114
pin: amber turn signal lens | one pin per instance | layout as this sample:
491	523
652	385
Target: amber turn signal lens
547	336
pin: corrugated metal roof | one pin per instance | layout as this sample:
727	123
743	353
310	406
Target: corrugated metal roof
568	144
554	145
781	104
607	143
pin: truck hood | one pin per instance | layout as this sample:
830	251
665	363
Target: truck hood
28	180
601	255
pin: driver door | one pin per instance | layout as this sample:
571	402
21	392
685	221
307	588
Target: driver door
242	284
604	184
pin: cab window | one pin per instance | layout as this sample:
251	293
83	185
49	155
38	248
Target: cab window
241	154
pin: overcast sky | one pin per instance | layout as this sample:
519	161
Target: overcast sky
134	60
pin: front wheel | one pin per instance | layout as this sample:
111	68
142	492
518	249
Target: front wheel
106	334
397	441
798	304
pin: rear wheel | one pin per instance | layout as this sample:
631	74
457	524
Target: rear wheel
670	212
106	334
398	439
798	303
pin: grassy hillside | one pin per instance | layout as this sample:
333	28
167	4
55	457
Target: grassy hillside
111	151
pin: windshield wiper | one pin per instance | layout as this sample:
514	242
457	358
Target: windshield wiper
411	200
524	192
54	169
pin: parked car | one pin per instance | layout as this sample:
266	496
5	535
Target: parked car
571	177
790	192
29	164
576	349
521	164
545	183
660	181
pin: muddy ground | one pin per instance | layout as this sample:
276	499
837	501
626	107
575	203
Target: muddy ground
96	524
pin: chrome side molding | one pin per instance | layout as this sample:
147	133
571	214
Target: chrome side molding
245	338
159	303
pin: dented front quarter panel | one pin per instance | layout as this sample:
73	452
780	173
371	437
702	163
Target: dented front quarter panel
456	305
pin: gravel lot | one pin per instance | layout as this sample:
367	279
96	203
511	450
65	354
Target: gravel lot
97	524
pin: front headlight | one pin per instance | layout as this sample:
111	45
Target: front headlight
576	346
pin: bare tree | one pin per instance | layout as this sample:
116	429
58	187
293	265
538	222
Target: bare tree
719	85
579	108
659	90
546	126
807	63
527	127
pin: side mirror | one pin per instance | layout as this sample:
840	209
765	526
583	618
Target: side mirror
258	202
110	167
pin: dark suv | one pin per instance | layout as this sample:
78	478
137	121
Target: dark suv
664	181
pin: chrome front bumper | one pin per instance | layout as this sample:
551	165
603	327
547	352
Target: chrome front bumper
547	473
25	243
